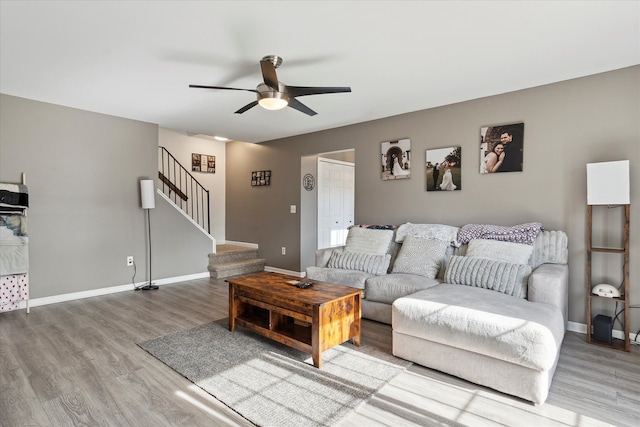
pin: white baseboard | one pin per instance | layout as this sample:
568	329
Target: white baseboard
581	328
282	271
105	291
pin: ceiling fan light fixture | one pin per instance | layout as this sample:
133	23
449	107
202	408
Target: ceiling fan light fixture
273	101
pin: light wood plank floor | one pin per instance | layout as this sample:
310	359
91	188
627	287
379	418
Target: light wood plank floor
77	363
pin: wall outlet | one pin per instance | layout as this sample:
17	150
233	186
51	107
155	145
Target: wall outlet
129	261
284	250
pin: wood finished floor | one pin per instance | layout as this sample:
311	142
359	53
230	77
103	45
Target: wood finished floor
77	364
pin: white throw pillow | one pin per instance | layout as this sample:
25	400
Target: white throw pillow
517	253
369	241
420	256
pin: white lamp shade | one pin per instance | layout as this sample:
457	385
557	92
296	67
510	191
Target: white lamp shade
608	183
147	197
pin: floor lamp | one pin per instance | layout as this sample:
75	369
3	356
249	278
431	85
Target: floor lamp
148	202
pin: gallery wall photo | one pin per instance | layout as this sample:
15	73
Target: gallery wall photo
502	148
395	159
443	169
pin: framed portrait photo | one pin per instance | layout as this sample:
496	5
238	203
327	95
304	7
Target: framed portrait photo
502	148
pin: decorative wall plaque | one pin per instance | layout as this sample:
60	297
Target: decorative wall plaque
308	182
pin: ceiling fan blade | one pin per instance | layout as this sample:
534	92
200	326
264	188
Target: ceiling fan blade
297	105
309	90
222	87
269	74
247	107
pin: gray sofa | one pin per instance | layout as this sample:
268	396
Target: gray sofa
478	316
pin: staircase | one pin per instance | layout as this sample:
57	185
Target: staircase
232	260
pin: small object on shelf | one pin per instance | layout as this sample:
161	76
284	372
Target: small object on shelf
603	328
605	290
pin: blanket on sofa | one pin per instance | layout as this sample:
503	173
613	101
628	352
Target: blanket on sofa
522	233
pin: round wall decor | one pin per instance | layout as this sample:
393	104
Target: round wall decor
308	182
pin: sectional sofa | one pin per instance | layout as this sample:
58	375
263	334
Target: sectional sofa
482	302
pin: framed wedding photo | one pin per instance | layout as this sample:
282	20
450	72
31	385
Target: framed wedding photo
502	148
443	169
395	159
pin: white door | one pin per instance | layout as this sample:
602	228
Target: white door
336	192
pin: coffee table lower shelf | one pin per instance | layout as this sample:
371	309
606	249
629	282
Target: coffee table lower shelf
295	336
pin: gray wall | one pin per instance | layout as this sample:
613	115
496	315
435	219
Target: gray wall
567	125
83	171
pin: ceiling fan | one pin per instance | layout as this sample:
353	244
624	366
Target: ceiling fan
275	95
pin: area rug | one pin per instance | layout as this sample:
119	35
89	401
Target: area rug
271	384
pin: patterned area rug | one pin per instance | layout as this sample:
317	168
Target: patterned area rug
271	384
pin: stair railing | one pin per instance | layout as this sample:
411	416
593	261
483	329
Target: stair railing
184	190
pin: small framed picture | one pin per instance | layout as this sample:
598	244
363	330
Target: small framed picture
260	178
203	163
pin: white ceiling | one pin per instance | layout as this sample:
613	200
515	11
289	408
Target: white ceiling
136	59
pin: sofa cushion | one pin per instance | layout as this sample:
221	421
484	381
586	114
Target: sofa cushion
386	289
353	278
482	321
369	263
370	241
505	277
502	251
420	256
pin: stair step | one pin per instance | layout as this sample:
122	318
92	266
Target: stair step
232	253
229	269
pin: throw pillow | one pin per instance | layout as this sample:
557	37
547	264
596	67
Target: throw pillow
420	256
368	241
504	277
517	253
369	263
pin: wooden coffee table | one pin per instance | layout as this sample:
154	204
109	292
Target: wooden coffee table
310	320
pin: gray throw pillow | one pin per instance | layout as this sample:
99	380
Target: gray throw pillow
517	253
420	256
369	263
505	277
368	241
